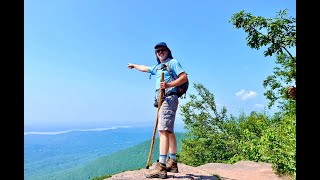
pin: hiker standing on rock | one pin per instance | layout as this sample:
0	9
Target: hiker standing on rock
167	111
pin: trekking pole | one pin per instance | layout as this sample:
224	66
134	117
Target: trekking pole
156	123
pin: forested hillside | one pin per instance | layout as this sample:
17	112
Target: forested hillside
128	159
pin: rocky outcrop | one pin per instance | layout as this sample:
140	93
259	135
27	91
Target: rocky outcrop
242	170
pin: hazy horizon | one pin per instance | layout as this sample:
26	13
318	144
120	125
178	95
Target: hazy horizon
63	128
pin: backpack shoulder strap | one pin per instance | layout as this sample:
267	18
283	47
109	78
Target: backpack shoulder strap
168	69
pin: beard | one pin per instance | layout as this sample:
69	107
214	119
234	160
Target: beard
164	57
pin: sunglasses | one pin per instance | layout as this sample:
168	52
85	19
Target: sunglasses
161	50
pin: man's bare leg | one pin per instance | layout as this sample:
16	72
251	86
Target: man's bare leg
172	146
163	145
172	143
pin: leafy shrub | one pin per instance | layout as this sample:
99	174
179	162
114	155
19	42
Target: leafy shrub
278	145
212	137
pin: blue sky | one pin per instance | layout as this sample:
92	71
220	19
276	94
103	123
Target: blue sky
76	55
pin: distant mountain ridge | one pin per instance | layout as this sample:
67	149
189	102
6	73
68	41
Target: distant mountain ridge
132	158
46	155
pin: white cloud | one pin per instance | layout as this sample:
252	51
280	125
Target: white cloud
240	93
244	95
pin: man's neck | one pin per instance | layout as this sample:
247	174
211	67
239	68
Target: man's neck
165	60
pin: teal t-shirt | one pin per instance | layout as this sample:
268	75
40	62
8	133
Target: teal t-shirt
175	68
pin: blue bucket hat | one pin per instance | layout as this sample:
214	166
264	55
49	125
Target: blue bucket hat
161	44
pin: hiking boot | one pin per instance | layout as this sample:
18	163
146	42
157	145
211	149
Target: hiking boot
172	166
159	171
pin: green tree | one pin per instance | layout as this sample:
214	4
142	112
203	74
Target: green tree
213	137
279	35
206	139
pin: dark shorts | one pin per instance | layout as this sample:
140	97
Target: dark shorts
167	113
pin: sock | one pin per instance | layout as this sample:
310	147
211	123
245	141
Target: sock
162	158
173	156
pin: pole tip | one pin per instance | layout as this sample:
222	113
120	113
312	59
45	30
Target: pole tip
147	167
